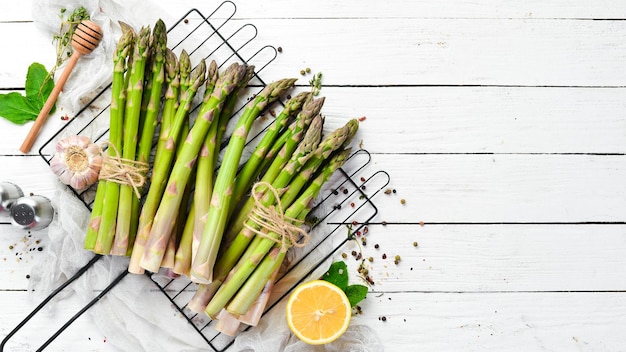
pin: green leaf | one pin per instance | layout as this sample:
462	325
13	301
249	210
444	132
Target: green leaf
15	108
38	85
19	109
337	274
356	293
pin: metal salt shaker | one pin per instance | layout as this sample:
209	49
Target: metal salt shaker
9	193
32	213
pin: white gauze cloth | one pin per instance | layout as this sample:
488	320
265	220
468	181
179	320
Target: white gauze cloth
134	315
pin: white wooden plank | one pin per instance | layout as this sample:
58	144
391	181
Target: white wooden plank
455	52
431	51
499	322
433	321
482	120
11	11
504	188
494	258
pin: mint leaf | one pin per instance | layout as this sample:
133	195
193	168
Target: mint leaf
38	85
337	274
356	293
15	108
19	109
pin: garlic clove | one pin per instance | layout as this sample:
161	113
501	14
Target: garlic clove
77	161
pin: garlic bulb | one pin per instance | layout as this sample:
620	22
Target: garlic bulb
77	161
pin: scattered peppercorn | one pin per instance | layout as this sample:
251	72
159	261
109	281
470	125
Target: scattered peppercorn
362	179
308	70
402	201
384	223
384	318
40	249
352	204
344	255
28	276
363	187
376	246
371	259
280	49
362	118
384	256
388	191
354	253
302	72
397	257
394	191
345	191
335	192
415	244
186	20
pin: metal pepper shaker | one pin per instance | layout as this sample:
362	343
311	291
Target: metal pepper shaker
9	193
32	213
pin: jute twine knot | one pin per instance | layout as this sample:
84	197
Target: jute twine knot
272	220
123	171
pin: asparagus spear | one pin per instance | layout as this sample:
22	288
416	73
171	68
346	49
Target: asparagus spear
168	206
131	128
206	163
170	103
248	263
118	97
106	231
202	267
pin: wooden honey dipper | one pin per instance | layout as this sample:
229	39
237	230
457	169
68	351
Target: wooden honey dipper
86	38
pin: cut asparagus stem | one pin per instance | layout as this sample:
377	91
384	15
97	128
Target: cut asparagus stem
170	201
254	313
110	201
202	266
227	323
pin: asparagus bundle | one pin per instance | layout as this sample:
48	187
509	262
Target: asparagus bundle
195	217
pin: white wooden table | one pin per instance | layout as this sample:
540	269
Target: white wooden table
502	125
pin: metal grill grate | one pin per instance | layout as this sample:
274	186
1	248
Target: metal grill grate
346	202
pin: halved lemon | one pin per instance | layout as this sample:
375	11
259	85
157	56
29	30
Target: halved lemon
318	312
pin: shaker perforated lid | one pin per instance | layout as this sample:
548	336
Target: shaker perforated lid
32	213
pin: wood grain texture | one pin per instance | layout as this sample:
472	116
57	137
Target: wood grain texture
503	127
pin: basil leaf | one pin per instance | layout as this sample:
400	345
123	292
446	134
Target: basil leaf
337	274
38	84
356	293
15	108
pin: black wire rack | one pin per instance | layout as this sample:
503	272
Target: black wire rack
345	208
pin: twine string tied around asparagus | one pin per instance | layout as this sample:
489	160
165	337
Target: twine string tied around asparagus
123	171
272	219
